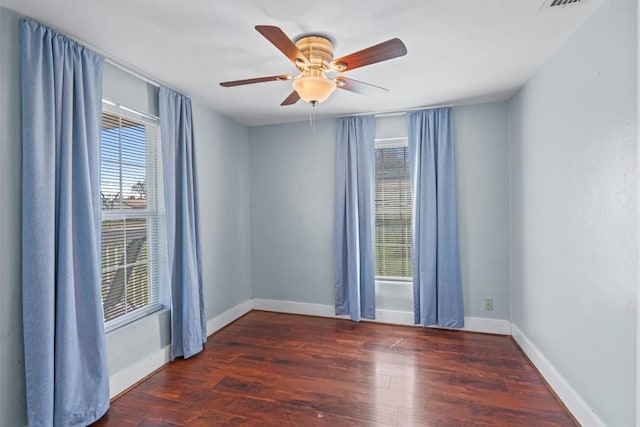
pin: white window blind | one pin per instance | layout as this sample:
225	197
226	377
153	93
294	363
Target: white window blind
130	158
393	210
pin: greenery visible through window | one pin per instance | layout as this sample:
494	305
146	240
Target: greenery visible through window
393	210
129	156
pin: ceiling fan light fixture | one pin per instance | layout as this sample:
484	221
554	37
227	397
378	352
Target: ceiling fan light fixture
312	55
313	89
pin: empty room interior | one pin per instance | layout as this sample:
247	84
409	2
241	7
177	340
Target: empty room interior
336	213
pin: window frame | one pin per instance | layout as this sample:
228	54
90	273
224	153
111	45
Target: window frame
152	214
392	142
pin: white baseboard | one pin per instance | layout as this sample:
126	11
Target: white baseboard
488	326
122	380
137	370
292	307
222	320
392	316
472	324
572	400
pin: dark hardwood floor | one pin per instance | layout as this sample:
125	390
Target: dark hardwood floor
279	369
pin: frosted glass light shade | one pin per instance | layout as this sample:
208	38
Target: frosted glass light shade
313	88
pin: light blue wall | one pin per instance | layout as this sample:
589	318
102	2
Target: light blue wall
292	197
223	177
12	404
125	89
292	170
574	211
482	169
223	159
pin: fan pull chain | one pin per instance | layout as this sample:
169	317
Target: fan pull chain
311	121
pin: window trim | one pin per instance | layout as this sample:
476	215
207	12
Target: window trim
392	142
146	213
129	318
393	279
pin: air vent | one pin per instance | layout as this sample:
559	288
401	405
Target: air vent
551	4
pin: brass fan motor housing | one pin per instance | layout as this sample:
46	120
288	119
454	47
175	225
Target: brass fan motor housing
318	50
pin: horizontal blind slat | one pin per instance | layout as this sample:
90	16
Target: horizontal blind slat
393	211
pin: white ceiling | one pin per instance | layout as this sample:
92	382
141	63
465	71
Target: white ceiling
459	51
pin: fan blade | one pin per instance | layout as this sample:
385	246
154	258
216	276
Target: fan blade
359	87
291	99
280	40
380	52
256	80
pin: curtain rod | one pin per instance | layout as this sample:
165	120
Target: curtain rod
110	60
119	65
390	113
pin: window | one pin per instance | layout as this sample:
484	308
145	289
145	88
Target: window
129	158
393	210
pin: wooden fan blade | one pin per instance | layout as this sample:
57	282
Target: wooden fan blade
291	99
380	52
359	87
256	80
280	40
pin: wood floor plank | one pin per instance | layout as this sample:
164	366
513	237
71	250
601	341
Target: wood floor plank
279	369
350	404
214	417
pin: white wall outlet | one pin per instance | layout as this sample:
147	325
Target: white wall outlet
488	304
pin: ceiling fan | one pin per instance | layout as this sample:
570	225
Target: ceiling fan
313	57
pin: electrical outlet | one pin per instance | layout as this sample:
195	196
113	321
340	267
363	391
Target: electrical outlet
488	304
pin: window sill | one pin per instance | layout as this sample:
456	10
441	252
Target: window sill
391	282
118	324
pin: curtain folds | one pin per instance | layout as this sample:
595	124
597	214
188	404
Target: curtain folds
65	353
188	325
354	233
437	286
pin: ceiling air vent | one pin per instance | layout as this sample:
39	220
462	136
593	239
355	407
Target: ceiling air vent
550	4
